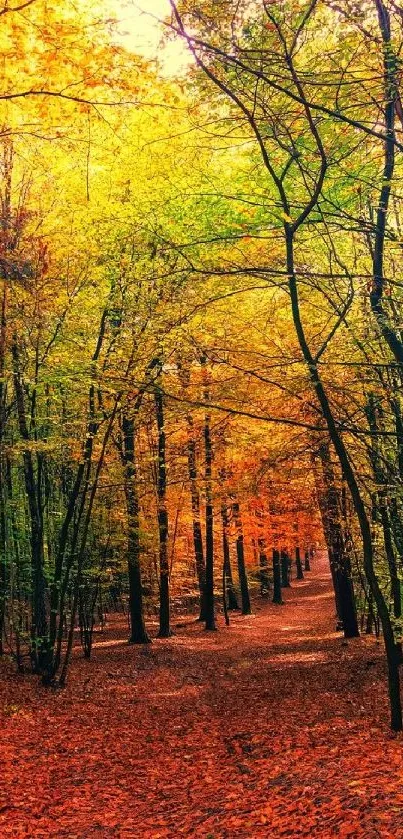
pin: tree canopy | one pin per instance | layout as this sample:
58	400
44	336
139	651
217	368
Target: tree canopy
200	332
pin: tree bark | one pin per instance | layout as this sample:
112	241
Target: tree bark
196	519
285	575
39	625
390	74
276	577
339	561
298	564
164	628
209	590
138	632
243	579
229	582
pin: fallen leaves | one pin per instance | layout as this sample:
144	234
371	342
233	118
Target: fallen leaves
256	733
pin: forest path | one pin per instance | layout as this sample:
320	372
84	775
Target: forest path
269	728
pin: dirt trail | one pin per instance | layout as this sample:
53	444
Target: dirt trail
270	728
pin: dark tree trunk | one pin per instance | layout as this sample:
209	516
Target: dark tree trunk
285	575
224	594
390	555
307	561
243	579
3	547
369	625
82	545
39	627
229	582
276	577
264	568
263	562
209	590
138	632
339	560
6	225
391	89
71	521
19	628
298	564
196	524
164	628
381	512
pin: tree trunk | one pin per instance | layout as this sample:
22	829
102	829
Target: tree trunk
39	627
339	561
390	555
369	625
196	523
138	632
263	562
276	577
285	576
380	506
391	88
229	582
243	579
72	518
209	591
3	547
224	594
164	628
298	564
264	568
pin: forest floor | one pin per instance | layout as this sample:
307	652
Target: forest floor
269	728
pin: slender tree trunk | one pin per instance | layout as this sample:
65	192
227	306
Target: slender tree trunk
229	582
17	560
243	579
82	546
369	625
224	594
298	564
164	628
263	562
380	507
39	626
391	88
138	632
196	519
276	577
285	577
209	591
392	564
3	548
71	521
3	529
339	561
264	568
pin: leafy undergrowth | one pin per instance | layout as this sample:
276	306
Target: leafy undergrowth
271	728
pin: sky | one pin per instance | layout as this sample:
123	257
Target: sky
141	30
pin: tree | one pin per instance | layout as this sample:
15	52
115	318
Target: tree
293	142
